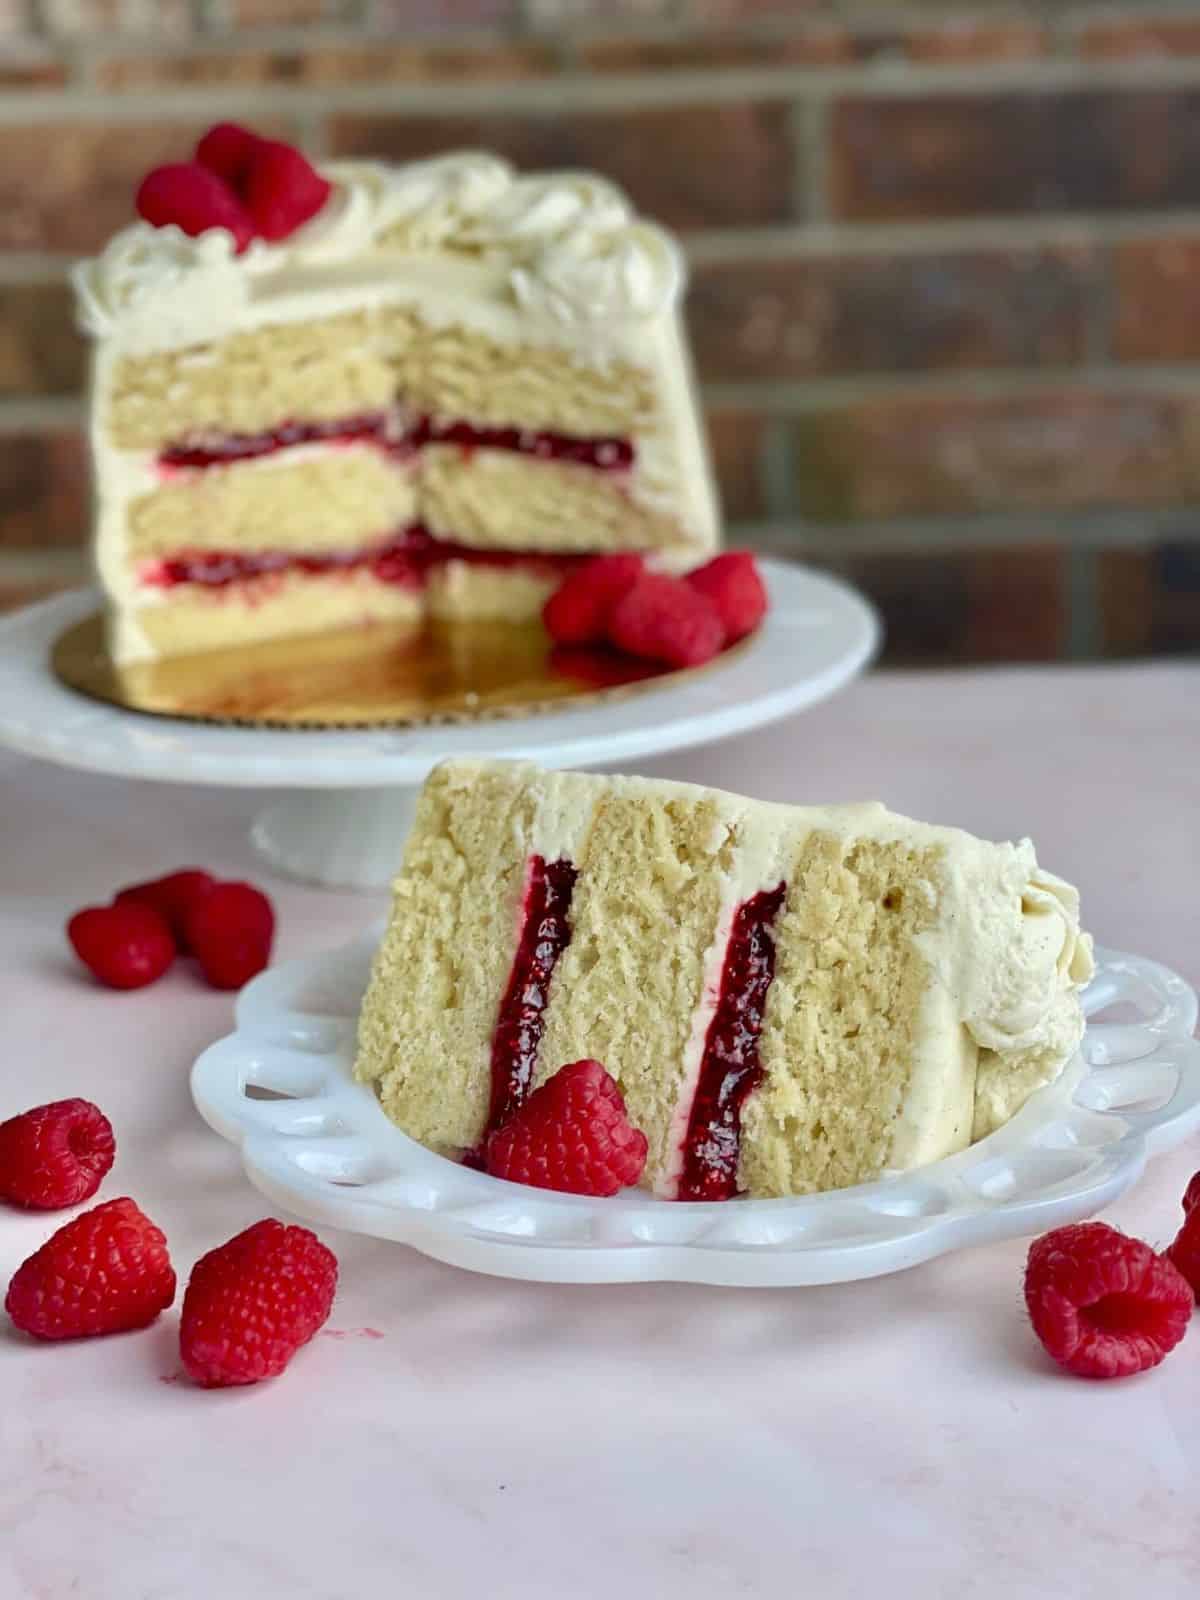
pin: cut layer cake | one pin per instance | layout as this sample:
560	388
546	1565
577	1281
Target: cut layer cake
438	393
791	999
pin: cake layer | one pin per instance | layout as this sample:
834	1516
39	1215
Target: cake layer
360	362
331	499
195	617
493	498
791	999
193	609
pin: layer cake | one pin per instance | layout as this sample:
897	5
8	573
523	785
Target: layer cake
790	998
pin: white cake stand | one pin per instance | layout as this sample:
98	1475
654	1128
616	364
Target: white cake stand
350	793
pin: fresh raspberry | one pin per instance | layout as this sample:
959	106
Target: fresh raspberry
194	199
665	619
578	611
230	930
571	1134
1191	1195
228	150
125	946
251	1303
172	897
283	189
55	1155
105	1271
1104	1305
1184	1252
732	582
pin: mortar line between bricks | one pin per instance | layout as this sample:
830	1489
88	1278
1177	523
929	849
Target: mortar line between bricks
30	565
809	132
1083	640
620	91
49	413
938	235
803	395
1105	528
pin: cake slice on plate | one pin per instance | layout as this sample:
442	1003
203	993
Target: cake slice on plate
790	998
369	392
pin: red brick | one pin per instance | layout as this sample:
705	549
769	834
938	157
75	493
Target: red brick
283	13
689	166
963	155
40	351
1156	290
738	444
948	455
71	17
69	186
1150	600
970	39
557	14
1121	40
938	608
379	62
818	45
804	317
43	491
440	16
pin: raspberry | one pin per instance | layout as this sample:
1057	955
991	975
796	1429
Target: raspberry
1104	1305
571	1134
282	189
55	1155
578	611
732	583
172	897
230	930
1184	1252
105	1271
251	1303
1191	1195
665	619
125	946
194	199
228	150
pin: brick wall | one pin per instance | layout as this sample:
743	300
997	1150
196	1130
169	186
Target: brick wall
946	259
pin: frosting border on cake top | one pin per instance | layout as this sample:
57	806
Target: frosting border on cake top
564	250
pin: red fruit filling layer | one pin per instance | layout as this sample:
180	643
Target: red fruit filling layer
729	1068
406	560
545	934
385	430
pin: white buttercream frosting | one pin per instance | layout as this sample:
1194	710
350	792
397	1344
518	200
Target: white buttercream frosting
566	248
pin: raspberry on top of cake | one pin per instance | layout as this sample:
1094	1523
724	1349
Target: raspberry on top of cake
372	392
789	998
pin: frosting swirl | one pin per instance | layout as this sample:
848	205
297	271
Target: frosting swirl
567	246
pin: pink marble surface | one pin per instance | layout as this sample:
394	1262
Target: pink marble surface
513	1440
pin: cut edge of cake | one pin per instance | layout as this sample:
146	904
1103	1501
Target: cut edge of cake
790	998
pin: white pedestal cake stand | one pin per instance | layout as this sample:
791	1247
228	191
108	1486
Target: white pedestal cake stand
350	793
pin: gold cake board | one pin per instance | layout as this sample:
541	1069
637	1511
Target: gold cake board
419	675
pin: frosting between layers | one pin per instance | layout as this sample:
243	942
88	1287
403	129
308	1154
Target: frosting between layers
1005	962
564	248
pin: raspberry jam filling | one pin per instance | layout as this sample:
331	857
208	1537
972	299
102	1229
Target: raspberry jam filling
405	560
385	430
729	1068
545	934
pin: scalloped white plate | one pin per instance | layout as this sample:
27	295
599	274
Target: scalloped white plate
318	1143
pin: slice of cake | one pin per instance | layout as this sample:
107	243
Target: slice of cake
790	998
377	391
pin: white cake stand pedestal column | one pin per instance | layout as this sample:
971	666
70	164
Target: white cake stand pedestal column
348	794
348	839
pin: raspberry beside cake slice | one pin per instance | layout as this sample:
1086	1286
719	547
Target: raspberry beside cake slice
791	999
438	393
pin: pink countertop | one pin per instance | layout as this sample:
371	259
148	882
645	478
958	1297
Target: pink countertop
458	1436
